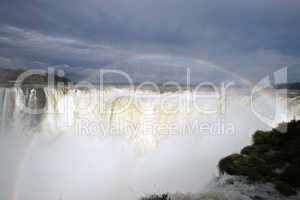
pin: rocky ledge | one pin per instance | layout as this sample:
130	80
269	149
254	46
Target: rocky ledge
273	157
157	197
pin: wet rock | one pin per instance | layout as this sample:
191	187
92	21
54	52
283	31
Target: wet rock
273	157
157	197
251	166
285	189
258	198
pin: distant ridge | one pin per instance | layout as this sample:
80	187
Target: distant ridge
9	76
289	86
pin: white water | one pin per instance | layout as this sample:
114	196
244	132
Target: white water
95	145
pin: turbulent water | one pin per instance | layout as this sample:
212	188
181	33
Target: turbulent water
117	143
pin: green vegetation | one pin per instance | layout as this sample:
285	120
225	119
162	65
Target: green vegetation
274	157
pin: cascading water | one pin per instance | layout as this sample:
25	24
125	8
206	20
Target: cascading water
16	128
12	103
110	144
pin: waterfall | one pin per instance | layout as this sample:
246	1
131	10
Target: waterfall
13	102
139	116
114	144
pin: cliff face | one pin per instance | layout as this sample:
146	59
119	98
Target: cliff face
273	157
8	76
289	86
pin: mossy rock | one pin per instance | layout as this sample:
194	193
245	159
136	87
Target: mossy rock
157	197
250	166
292	175
274	157
230	164
261	137
269	137
285	189
249	150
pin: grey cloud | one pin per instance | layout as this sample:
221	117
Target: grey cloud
228	33
238	25
55	49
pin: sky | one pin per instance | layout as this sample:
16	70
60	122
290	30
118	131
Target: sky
153	40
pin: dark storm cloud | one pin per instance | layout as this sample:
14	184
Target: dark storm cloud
231	33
